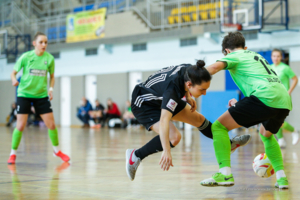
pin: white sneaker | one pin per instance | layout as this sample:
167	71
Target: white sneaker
295	136
239	141
282	143
132	163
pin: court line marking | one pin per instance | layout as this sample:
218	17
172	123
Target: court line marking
76	191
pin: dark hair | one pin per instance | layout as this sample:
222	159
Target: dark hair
278	50
197	73
233	40
38	34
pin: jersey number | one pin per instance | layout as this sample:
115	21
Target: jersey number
265	63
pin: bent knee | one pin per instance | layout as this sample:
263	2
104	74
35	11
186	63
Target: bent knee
176	137
51	126
218	126
21	127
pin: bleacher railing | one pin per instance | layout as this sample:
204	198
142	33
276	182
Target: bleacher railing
30	16
176	14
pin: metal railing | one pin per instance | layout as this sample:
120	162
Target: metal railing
30	16
176	14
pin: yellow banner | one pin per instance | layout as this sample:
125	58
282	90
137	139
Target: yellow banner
87	25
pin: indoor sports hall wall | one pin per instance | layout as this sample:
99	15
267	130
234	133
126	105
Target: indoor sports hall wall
112	69
7	96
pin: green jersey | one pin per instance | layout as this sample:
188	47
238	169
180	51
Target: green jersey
33	83
254	76
285	73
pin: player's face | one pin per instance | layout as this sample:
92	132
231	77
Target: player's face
41	43
276	57
198	90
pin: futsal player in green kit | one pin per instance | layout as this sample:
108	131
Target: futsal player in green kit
285	73
36	65
266	101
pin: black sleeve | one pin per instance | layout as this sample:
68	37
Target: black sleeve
170	100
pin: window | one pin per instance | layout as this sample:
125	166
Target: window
92	51
188	42
56	55
139	47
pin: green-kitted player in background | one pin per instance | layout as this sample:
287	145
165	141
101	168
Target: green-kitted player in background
36	65
285	73
266	101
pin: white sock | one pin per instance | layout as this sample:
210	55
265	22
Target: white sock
281	139
134	157
56	149
225	171
280	174
13	152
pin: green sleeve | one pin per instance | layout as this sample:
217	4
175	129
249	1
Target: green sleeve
51	66
289	72
231	61
20	63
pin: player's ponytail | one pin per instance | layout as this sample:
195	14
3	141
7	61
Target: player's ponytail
197	73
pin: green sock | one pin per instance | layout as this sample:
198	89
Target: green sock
279	134
16	139
273	152
221	144
288	127
53	136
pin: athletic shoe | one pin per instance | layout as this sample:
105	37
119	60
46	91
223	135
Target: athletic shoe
295	136
12	159
239	141
282	183
282	143
219	179
63	156
131	165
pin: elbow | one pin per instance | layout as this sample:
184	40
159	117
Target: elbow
213	70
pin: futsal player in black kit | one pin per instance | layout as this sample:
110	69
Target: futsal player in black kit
158	100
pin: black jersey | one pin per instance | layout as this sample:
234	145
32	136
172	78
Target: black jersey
164	88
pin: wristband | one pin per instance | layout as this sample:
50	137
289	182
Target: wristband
51	89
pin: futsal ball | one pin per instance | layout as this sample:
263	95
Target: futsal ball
262	166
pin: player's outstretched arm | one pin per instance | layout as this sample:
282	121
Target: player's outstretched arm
166	157
13	78
216	67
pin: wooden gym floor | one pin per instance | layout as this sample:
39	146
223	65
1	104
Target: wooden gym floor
97	168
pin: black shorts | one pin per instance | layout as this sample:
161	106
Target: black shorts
149	112
41	105
251	111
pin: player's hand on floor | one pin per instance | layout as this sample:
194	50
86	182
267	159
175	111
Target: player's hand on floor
166	160
193	104
232	102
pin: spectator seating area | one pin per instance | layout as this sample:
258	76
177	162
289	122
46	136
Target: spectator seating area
56	32
193	13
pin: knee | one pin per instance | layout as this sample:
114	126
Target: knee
267	134
176	137
21	126
51	125
218	126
